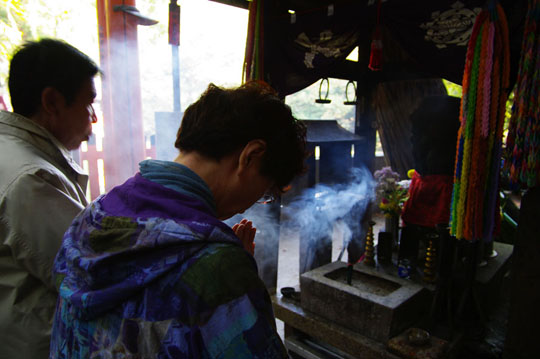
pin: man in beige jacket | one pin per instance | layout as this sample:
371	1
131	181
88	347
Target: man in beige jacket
41	188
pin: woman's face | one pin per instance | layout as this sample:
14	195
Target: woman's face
245	196
244	190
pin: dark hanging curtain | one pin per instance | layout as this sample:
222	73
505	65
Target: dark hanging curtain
303	47
423	41
394	102
314	41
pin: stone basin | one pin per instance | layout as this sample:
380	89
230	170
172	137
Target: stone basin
375	304
365	282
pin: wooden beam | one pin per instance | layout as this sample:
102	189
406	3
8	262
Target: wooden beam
244	4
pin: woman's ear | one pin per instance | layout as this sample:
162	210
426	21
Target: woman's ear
251	154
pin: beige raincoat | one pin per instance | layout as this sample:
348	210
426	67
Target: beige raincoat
41	190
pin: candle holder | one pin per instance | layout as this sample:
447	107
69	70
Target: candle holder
370	251
431	259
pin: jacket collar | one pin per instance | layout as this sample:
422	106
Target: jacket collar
30	132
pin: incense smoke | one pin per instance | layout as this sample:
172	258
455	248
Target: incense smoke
315	214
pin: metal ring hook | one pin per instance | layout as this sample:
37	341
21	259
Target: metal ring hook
349	102
325	99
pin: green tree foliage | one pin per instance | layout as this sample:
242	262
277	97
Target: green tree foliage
11	16
22	20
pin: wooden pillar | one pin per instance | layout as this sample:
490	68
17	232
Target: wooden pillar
524	312
122	109
364	122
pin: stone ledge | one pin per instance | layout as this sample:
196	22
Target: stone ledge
293	315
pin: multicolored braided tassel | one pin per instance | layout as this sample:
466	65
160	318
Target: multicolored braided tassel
474	213
522	154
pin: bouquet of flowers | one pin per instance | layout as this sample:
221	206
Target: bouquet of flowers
391	194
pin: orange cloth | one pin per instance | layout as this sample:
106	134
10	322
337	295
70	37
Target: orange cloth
429	200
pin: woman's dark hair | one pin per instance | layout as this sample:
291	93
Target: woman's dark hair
46	63
225	120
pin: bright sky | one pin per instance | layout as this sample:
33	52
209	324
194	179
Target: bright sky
212	44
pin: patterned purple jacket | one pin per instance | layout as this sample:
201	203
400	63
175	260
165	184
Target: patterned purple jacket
148	272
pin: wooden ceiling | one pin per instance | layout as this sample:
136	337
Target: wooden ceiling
244	4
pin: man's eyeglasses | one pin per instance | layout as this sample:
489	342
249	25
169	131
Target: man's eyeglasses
92	112
266	199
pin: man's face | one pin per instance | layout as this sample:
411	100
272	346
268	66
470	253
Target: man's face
76	118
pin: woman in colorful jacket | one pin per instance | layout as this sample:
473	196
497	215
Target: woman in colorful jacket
151	271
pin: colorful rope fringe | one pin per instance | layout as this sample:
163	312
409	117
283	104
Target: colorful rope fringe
522	155
474	213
